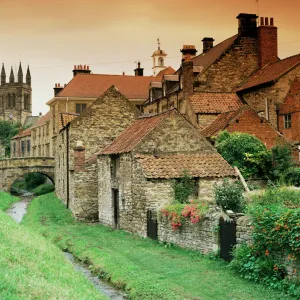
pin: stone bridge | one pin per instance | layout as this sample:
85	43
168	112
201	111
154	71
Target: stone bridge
13	168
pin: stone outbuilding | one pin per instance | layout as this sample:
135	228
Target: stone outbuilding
82	136
136	172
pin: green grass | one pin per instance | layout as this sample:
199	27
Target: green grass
144	268
33	268
43	189
6	200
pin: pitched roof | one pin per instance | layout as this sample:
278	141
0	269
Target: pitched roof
220	123
271	72
207	164
44	119
24	133
131	136
167	71
214	102
208	58
66	118
292	101
94	85
31	120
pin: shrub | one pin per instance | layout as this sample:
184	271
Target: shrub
34	179
177	213
281	161
292	176
229	196
245	151
183	187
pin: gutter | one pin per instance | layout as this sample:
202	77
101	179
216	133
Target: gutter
68	167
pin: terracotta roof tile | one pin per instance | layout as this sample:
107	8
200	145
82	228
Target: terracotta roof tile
166	71
131	136
94	85
207	59
66	118
209	164
26	132
220	123
292	101
271	72
214	102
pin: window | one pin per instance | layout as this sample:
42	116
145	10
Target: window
198	118
115	165
23	147
26	102
161	62
28	146
287	121
14	145
80	108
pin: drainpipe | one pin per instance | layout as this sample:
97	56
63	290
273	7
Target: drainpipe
67	164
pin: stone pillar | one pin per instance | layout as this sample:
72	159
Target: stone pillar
79	157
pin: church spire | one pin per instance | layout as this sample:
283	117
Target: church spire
11	76
3	75
20	74
28	76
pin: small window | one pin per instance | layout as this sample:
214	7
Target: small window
287	121
14	149
198	118
115	165
23	147
161	62
80	108
28	146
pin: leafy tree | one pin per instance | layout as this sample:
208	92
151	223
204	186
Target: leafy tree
244	151
7	131
34	179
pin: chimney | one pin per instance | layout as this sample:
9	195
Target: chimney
57	89
79	157
208	43
267	42
187	78
247	25
40	114
81	69
188	52
139	71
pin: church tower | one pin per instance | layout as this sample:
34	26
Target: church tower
159	57
15	96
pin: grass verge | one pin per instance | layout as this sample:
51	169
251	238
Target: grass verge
33	268
42	189
145	268
6	200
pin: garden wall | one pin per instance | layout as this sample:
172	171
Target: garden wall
243	234
202	236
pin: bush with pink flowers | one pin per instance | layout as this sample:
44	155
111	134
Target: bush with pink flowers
177	213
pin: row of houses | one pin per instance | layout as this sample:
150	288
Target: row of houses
120	141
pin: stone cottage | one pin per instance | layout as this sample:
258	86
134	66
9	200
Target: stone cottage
136	171
95	128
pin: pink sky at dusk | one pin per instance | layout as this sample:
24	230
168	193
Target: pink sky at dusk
52	36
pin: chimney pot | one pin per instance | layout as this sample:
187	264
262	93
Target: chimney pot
272	21
123	73
74	67
84	67
40	114
139	64
87	67
262	21
267	21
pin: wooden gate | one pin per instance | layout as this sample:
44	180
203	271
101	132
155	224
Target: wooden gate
151	225
227	238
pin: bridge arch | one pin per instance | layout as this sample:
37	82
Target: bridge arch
12	169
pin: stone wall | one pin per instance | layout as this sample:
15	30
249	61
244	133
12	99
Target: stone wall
232	68
202	236
244	232
267	99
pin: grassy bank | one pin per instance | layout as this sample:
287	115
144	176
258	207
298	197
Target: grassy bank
6	200
33	268
146	269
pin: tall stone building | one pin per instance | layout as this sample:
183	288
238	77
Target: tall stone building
15	96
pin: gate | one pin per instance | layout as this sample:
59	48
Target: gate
151	225
227	238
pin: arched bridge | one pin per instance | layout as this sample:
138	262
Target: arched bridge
13	168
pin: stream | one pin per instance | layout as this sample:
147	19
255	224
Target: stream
18	211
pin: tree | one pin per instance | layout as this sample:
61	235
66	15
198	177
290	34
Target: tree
7	131
246	152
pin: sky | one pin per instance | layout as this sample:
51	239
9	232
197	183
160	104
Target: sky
111	35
